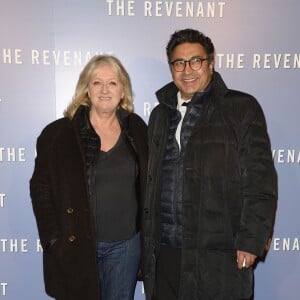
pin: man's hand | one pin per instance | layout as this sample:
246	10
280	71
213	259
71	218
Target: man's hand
245	259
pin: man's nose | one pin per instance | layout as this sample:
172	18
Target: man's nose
187	68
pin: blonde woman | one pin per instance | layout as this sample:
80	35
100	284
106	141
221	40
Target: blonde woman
88	186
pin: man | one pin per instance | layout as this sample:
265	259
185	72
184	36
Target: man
211	196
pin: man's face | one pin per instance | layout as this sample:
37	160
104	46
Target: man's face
190	81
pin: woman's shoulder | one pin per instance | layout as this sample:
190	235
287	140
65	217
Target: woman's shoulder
137	127
136	119
56	127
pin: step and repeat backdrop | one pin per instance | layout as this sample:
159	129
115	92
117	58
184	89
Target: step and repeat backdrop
44	44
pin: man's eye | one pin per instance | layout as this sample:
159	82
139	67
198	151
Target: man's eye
196	60
179	63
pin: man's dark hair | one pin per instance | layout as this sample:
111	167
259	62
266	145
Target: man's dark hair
190	36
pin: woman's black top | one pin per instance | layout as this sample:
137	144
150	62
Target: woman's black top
116	195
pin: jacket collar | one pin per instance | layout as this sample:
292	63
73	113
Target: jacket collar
167	95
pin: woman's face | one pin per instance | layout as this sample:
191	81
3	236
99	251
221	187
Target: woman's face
105	90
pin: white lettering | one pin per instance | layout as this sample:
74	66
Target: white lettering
148	108
3	288
178	9
276	60
280	156
2	196
289	156
147	9
169	8
12	154
39	247
181	9
109	2
10	56
286	244
120	8
57	57
230	61
13	245
276	244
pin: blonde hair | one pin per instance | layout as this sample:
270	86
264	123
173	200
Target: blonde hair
81	92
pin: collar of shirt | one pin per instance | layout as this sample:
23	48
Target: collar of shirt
180	101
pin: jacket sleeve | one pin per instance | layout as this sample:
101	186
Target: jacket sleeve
259	183
42	195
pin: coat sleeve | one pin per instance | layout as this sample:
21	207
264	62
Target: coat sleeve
259	183
42	195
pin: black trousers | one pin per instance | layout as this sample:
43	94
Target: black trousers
168	273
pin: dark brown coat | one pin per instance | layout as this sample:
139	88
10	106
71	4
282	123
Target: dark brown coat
59	193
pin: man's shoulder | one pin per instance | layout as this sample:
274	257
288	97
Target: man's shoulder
241	107
239	96
241	101
229	96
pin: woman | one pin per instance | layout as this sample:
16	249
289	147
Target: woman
88	186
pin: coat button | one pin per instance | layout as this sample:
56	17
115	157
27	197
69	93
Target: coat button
146	210
72	238
70	210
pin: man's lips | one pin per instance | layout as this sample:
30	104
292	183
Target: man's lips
189	80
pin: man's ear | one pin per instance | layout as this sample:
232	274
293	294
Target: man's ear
211	67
